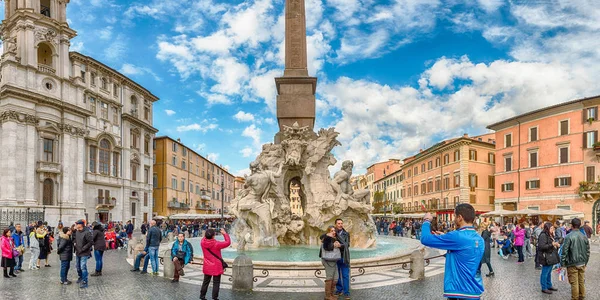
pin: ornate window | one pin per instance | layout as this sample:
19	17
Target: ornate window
115	164
48	150
93	105
103	110
48	192
93	151
104	157
134	105
115	116
104	83
93	79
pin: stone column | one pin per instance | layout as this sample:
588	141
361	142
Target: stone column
417	265
169	267
243	273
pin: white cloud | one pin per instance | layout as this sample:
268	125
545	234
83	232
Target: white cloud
254	133
76	47
198	147
229	74
197	127
132	70
105	33
169	112
247	152
242	172
243	116
117	48
270	121
213	156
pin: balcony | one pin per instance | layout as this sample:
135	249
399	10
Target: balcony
589	190
48	167
46	69
102	203
178	205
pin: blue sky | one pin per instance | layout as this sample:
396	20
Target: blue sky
394	76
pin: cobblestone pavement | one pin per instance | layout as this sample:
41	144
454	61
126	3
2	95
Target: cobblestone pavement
512	281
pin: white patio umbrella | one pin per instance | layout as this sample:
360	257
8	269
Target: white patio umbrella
499	213
527	211
565	213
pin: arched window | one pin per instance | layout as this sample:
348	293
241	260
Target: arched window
44	55
45	8
104	157
48	192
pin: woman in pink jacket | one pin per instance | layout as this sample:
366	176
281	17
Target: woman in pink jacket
213	261
8	261
519	241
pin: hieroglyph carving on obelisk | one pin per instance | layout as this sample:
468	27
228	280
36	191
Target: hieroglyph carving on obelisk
295	40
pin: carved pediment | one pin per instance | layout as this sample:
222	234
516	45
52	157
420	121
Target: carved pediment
49	128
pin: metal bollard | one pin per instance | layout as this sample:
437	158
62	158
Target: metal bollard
417	265
243	273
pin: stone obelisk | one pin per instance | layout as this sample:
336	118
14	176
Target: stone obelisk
295	90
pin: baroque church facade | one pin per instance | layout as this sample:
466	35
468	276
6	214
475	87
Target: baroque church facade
76	136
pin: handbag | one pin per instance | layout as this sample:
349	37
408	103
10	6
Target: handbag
180	255
223	263
15	252
552	257
333	255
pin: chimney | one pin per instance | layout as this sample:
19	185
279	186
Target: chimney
178	140
420	150
466	135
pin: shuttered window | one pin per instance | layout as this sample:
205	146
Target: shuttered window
491	182
562	181
590	138
508	187
533	159
590	114
491	158
533	134
590	174
532	184
473	155
564	127
564	155
508	140
472	180
508	163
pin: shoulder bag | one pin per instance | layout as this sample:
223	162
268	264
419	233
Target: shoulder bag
333	255
223	263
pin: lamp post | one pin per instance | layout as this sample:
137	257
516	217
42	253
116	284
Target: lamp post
222	196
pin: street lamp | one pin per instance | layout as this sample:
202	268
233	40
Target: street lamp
222	195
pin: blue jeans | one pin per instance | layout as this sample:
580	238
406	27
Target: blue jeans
65	265
19	261
418	234
153	257
82	271
98	254
546	277
343	283
138	258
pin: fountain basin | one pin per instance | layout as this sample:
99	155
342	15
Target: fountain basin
303	261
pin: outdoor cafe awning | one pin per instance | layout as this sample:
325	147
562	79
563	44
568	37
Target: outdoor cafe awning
499	213
197	216
564	213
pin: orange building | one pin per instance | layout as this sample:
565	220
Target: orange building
379	170
546	159
454	171
186	182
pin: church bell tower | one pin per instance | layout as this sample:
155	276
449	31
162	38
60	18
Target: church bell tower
35	34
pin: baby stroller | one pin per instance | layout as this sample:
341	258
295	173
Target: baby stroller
122	240
506	248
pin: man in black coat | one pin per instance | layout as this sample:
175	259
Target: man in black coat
99	247
343	284
83	251
65	252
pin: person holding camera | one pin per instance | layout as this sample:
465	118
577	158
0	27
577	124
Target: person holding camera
213	266
182	254
465	249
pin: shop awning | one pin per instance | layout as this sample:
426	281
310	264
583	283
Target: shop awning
499	213
565	213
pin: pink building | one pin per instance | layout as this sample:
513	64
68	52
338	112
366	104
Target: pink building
544	156
454	171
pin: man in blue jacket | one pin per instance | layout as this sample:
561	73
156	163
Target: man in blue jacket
465	249
19	242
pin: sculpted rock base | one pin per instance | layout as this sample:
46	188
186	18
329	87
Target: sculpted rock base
262	208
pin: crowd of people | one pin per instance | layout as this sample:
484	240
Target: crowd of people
81	240
410	228
193	228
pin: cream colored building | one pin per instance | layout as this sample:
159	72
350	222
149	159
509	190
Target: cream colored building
295	202
75	133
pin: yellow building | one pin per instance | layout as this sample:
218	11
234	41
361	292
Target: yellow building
186	182
295	202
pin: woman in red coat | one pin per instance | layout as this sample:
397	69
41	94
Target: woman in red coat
213	265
